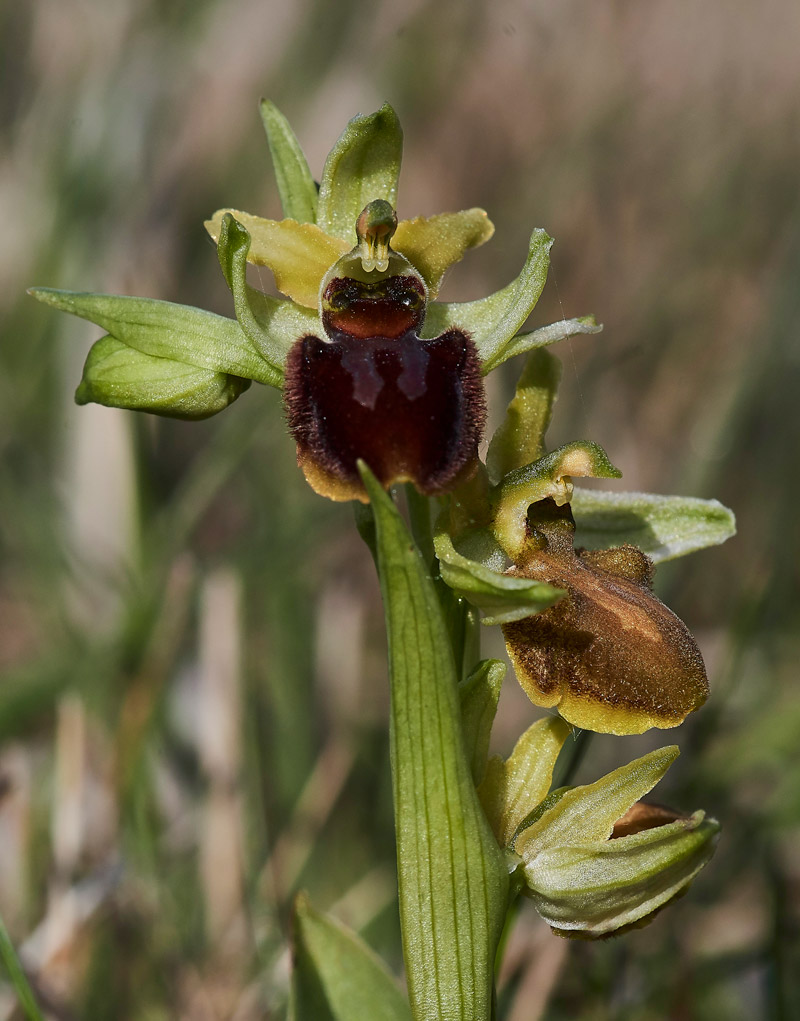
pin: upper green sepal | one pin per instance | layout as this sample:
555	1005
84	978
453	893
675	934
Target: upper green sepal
363	165
166	330
494	321
271	325
119	376
336	976
296	185
663	527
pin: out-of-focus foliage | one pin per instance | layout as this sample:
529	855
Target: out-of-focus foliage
193	718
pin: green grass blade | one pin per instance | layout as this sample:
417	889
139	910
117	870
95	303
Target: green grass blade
17	977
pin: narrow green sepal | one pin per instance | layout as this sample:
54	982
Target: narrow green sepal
544	336
296	185
494	321
166	330
502	597
480	693
336	976
271	325
663	527
363	165
548	477
519	440
587	814
452	877
595	889
513	788
119	376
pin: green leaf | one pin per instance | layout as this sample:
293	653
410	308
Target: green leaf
165	330
543	337
493	321
296	186
17	976
453	881
502	597
271	325
520	438
587	814
480	693
336	976
121	377
595	889
363	165
511	790
664	527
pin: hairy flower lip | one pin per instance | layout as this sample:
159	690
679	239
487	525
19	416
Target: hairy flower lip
610	655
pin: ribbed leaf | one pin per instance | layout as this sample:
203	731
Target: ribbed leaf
452	878
363	165
295	184
336	976
166	330
664	527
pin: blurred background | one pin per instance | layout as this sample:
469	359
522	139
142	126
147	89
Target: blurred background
193	695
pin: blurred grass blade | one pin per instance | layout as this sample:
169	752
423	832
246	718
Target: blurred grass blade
17	977
336	976
295	184
363	165
452	877
664	527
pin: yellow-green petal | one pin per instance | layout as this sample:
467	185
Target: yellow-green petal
433	244
298	254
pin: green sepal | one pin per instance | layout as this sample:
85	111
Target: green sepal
336	976
513	788
663	527
165	330
452	877
271	325
480	693
587	814
594	889
363	165
296	185
548	477
544	336
501	597
519	440
119	376
494	321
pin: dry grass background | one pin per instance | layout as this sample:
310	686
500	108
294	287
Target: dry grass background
193	694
